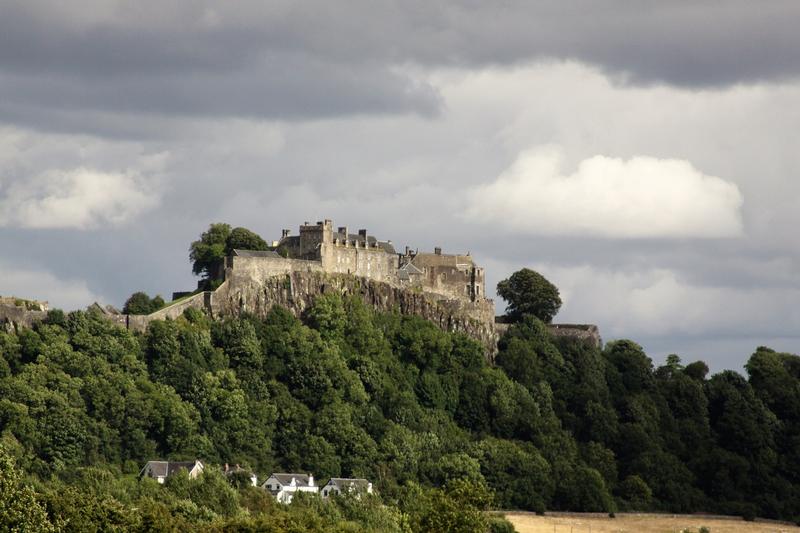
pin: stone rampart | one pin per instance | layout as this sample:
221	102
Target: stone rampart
246	269
13	316
585	332
369	262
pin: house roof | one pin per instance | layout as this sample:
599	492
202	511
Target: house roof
349	483
256	253
425	259
167	468
286	479
410	268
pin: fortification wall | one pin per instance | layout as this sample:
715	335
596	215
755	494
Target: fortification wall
296	291
246	269
449	281
588	333
13	317
585	332
369	262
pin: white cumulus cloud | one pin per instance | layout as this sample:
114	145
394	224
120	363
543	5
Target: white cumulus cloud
642	197
80	198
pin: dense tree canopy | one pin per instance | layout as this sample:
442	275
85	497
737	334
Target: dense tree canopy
557	424
244	239
529	293
219	240
140	303
207	253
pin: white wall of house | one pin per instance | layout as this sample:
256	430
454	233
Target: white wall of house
284	492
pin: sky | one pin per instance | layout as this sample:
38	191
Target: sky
640	155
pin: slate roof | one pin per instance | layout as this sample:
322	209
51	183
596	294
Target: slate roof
256	253
286	479
349	483
410	268
167	468
427	259
386	246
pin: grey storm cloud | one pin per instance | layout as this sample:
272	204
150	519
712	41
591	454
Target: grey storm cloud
127	127
296	60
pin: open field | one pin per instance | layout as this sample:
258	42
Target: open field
638	523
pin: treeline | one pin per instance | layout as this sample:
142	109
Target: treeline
347	392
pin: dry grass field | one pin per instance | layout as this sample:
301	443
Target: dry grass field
530	523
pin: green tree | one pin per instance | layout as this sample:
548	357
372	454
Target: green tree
243	239
529	293
19	508
140	303
208	252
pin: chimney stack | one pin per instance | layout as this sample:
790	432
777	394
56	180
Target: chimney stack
343	229
311	480
362	233
285	233
437	251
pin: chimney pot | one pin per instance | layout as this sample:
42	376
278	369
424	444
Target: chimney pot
437	251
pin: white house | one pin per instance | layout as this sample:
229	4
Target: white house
339	485
283	486
161	470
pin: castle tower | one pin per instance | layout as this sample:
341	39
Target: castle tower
314	238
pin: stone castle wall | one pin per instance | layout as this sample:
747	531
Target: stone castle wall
243	269
13	316
585	332
369	262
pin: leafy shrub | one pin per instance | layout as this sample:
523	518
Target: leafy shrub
498	524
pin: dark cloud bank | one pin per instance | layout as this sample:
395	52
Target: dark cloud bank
269	114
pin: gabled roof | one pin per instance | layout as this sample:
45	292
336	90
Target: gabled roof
256	253
443	260
167	468
286	479
344	483
157	468
174	466
410	268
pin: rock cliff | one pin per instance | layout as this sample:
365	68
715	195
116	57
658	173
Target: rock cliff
296	291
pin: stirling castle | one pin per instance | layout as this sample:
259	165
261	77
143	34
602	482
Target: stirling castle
446	289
